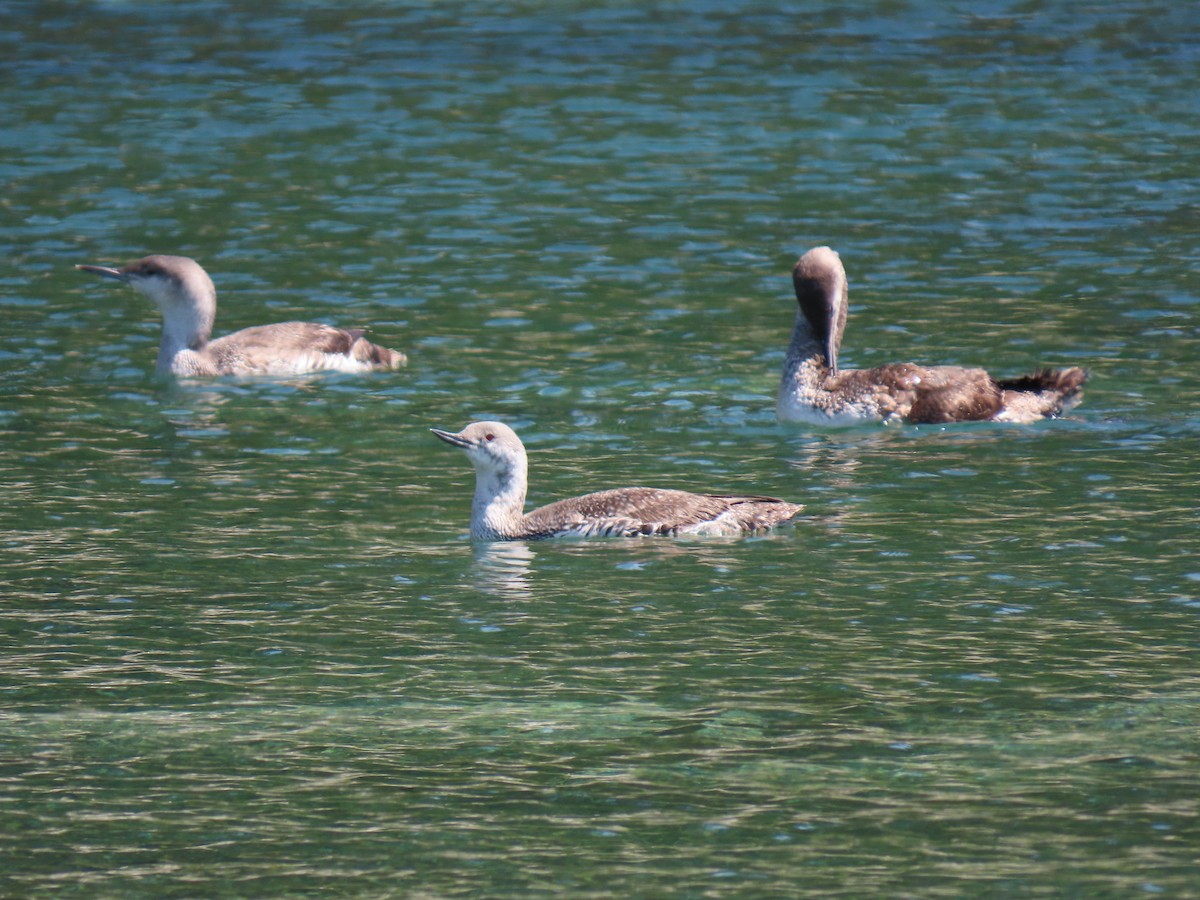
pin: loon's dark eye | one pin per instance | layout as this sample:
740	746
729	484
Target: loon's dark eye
489	437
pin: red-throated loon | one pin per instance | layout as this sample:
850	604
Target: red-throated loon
501	481
813	390
185	296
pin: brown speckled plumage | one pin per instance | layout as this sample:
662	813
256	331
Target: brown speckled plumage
633	511
813	389
187	299
501	481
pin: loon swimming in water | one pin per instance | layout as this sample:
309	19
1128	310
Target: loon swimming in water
501	481
813	390
185	296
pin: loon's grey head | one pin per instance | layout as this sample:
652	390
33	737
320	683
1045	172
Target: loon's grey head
824	296
491	446
178	286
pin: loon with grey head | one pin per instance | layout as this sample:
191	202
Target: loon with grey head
813	390
187	299
501	482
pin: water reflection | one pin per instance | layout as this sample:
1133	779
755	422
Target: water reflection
832	461
502	568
